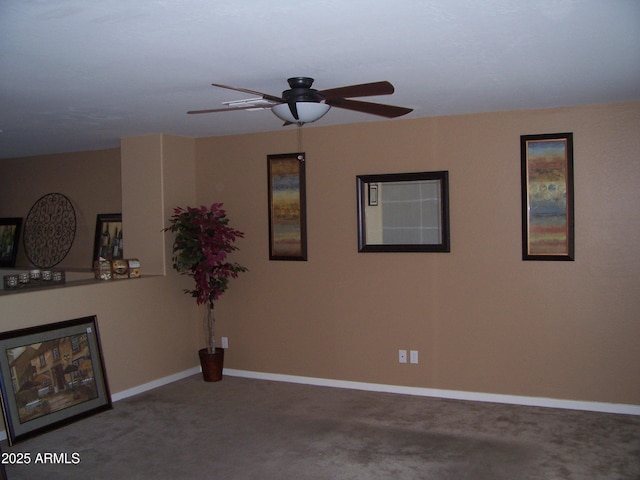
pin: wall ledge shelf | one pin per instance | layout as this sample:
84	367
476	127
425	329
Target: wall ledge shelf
73	278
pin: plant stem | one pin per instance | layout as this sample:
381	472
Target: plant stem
211	329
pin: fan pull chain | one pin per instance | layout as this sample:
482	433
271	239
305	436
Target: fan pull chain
299	129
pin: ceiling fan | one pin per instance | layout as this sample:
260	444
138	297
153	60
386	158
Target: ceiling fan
302	104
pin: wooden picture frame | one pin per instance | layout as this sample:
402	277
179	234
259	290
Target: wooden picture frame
108	241
51	375
547	197
10	228
287	207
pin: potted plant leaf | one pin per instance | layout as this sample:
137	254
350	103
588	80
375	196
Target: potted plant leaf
202	242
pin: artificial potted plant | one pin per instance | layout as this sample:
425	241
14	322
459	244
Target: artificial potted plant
202	242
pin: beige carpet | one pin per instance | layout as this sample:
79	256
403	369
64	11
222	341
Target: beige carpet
254	429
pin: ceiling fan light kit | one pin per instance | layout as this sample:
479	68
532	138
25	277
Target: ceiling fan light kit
302	104
308	112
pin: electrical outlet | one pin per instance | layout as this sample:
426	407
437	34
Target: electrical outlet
413	356
225	342
402	356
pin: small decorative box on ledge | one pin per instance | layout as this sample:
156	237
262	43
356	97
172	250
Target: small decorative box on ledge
117	269
34	278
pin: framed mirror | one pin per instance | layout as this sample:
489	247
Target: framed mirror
403	212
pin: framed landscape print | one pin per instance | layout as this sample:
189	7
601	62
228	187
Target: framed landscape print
9	237
287	207
547	197
51	375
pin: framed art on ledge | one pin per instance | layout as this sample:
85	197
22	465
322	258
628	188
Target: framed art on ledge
9	237
287	207
547	196
107	244
51	375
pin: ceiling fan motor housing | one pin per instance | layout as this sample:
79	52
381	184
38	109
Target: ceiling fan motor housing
301	91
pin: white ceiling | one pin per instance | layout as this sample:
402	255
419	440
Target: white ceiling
81	74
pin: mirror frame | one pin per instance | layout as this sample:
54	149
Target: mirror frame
361	183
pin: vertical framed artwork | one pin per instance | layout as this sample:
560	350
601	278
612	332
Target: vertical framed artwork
547	197
9	237
108	242
287	207
51	375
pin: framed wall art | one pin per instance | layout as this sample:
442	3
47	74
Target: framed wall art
108	242
9	238
287	207
547	197
51	375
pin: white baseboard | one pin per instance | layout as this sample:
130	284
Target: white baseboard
142	388
154	384
376	387
449	394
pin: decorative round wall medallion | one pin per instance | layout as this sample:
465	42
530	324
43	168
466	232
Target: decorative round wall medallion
49	230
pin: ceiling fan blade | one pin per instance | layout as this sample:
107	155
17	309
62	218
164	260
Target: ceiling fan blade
266	96
233	109
362	90
389	111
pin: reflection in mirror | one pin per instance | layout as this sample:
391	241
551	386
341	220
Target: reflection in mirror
403	212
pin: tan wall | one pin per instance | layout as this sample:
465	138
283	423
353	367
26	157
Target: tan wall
91	181
482	319
149	328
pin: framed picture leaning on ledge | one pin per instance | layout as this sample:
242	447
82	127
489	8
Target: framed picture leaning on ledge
9	237
108	241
